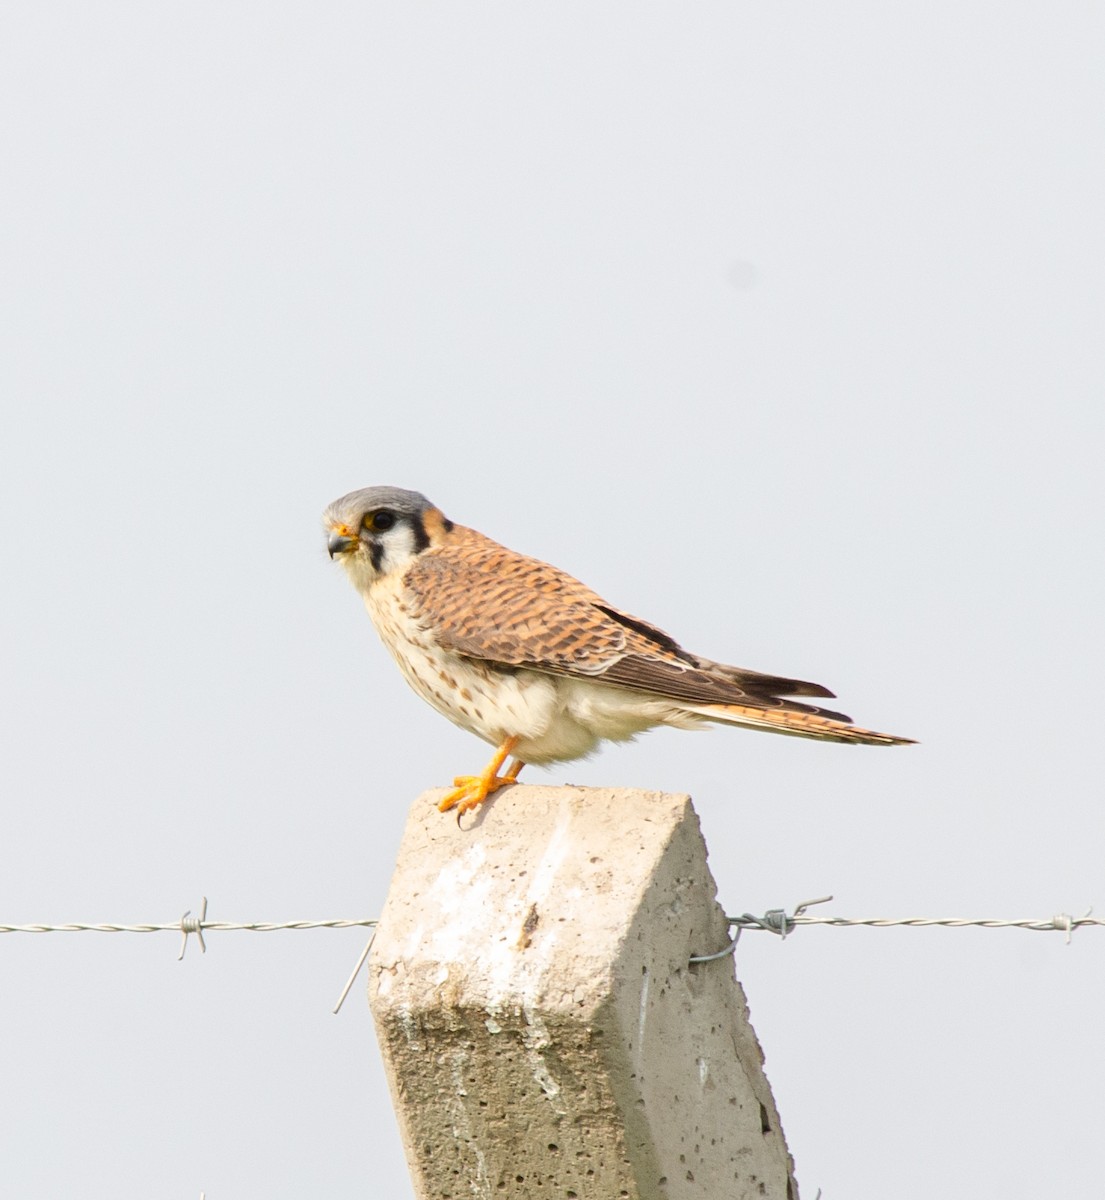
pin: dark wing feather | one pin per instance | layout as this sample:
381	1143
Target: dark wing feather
751	683
649	674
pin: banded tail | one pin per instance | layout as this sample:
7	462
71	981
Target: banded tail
794	723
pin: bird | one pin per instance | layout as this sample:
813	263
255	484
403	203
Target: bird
532	661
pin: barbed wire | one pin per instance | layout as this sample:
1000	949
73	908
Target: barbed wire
774	920
188	925
780	922
1063	922
177	927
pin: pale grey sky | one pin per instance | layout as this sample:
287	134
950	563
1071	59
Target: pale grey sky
778	325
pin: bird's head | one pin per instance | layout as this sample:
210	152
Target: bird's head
380	530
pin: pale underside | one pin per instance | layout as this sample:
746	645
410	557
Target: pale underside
554	717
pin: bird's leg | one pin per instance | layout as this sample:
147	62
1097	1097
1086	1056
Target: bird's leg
472	790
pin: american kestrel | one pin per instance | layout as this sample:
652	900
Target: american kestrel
528	658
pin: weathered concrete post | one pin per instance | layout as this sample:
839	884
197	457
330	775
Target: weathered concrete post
543	1033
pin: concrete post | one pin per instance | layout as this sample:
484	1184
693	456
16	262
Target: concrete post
543	1033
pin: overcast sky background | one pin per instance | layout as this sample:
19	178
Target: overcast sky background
780	326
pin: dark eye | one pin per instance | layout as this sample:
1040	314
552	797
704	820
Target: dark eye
381	521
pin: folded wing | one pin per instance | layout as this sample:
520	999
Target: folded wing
486	602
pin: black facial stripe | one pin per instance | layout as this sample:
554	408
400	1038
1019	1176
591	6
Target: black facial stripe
418	532
376	553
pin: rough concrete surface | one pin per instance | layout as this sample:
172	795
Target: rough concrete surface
542	1030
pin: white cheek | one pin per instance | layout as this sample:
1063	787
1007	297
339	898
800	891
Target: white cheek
398	544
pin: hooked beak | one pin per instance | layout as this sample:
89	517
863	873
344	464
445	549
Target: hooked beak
340	541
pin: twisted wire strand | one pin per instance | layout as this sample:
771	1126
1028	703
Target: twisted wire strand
192	925
774	921
1062	922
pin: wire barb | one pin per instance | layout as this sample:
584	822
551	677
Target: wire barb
190	924
1069	924
776	920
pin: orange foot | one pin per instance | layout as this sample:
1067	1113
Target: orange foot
470	791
